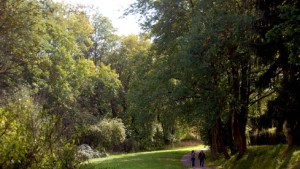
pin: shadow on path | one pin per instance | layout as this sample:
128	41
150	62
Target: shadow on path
186	161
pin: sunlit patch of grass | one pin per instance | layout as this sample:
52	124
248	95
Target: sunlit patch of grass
163	159
294	161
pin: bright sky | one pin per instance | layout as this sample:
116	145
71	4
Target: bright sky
113	9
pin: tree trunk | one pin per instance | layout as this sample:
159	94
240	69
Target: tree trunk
238	135
217	144
243	115
221	138
290	97
239	107
232	146
214	145
113	108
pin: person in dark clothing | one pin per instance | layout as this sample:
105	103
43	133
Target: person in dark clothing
201	157
193	158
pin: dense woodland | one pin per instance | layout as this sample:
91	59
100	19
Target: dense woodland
227	72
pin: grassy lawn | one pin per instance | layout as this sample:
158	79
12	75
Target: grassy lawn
163	159
258	157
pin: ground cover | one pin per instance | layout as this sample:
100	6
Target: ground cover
258	157
162	159
265	157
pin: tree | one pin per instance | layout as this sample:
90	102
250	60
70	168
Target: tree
37	50
125	61
81	29
278	49
205	47
155	98
21	39
103	37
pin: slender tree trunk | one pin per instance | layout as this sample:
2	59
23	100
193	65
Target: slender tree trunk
214	145
113	108
243	115
232	146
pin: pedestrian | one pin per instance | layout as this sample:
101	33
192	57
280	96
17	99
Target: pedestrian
193	157
201	157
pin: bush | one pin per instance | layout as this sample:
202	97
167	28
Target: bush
28	138
107	134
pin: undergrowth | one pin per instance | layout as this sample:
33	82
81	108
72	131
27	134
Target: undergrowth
264	157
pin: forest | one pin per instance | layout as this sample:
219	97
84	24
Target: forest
223	72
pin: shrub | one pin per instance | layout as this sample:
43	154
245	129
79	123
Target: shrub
28	138
107	134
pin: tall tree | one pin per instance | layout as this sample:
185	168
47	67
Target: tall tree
279	49
206	47
37	57
168	22
103	37
22	36
125	60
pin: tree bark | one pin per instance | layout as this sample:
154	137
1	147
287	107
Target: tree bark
240	108
243	115
214	145
221	138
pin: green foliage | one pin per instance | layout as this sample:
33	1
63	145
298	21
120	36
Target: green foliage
27	137
107	134
110	78
196	47
287	31
103	37
22	37
80	28
282	33
42	46
97	87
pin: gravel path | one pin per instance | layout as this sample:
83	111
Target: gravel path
186	161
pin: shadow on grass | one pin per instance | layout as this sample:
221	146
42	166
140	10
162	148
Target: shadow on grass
266	157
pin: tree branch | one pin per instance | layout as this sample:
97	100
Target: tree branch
269	94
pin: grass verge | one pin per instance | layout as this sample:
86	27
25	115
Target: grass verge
265	157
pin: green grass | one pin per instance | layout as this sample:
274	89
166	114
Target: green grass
258	157
266	157
163	159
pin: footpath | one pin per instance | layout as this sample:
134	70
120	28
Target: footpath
186	161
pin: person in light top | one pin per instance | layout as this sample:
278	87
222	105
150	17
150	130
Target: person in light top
193	158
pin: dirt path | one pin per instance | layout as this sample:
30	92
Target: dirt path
186	161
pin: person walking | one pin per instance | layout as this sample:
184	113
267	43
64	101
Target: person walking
193	158
201	157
